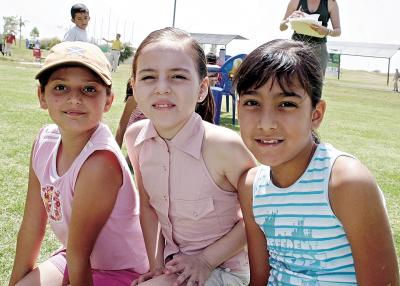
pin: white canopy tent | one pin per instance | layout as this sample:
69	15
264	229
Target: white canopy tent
372	50
216	39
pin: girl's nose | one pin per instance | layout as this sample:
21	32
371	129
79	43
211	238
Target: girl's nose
268	120
75	97
162	87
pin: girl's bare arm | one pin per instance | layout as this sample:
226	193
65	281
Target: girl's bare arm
256	242
358	203
95	195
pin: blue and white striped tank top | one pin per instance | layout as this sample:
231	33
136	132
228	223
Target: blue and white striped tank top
306	242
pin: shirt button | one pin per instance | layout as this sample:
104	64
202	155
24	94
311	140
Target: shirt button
164	168
195	214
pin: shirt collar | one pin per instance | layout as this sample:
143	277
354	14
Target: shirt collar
189	139
147	132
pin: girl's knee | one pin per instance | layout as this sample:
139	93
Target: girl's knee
46	274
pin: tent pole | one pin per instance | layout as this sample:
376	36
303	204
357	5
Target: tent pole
173	19
387	81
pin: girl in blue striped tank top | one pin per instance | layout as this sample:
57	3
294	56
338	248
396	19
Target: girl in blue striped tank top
314	215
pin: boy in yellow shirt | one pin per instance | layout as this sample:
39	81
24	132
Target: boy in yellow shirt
116	47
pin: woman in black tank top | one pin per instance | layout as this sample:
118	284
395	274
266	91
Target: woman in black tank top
328	10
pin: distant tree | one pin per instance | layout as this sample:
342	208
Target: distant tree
126	52
47	43
11	23
34	33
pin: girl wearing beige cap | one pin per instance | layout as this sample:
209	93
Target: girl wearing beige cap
79	181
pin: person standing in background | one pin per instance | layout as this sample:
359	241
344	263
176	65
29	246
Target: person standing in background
328	10
211	60
396	78
221	57
9	41
80	17
2	44
116	48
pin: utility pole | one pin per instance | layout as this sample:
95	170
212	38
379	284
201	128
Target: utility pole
109	24
125	37
133	25
173	19
21	23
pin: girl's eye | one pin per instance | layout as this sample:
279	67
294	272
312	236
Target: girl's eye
179	76
147	77
250	102
60	87
89	89
288	104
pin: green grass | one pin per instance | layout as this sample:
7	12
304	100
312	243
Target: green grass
362	118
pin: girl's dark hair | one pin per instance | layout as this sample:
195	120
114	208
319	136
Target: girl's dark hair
206	108
286	61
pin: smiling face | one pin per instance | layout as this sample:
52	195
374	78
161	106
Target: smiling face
81	20
75	98
167	85
276	125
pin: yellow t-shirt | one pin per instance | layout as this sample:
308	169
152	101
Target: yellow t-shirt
116	45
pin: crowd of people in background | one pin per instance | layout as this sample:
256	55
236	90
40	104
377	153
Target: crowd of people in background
273	205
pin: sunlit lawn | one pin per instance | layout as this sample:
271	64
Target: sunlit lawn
362	118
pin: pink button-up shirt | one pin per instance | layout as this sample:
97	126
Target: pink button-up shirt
193	211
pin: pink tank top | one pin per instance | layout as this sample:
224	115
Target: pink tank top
120	244
192	210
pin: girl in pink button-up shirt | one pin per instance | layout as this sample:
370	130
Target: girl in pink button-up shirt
186	169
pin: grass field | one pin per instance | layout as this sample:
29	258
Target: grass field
362	118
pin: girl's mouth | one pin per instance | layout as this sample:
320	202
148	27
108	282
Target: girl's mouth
163	105
269	141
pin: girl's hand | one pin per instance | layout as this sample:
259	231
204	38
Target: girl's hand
147	276
297	14
191	268
320	29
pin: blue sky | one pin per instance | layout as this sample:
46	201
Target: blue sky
257	20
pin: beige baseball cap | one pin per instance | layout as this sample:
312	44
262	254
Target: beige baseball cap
81	53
